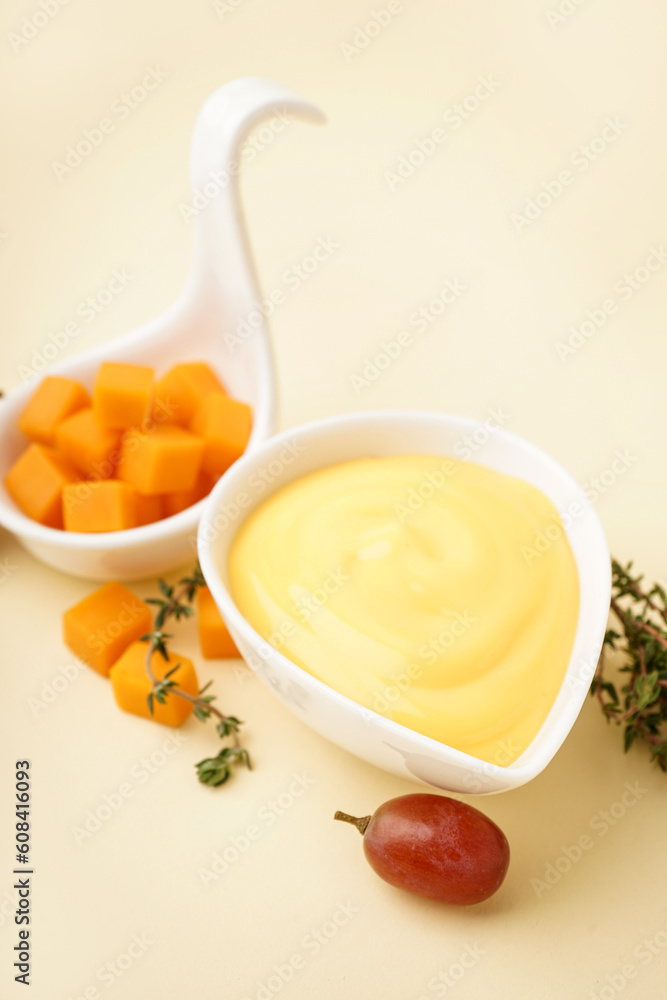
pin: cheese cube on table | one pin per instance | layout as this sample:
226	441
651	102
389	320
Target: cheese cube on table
100	627
215	641
131	684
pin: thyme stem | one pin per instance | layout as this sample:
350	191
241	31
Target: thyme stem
176	603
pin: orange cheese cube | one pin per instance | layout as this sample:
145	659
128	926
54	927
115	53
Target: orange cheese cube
100	627
104	505
184	387
53	400
94	450
215	641
36	481
131	684
224	424
122	394
165	460
149	509
174	503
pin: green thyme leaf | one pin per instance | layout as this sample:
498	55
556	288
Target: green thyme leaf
641	644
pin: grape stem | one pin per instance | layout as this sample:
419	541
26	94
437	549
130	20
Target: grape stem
360	822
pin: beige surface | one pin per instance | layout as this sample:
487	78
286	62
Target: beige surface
452	219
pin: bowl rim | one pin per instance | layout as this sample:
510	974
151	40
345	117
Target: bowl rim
534	758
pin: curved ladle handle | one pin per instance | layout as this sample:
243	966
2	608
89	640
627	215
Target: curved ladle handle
223	274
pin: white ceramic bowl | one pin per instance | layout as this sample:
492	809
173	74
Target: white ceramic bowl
221	293
389	745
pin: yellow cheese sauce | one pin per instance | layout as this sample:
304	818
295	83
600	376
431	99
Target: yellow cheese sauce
413	585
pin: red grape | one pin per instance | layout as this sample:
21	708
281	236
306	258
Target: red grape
436	847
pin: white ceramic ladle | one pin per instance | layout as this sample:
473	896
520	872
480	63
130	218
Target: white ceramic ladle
221	292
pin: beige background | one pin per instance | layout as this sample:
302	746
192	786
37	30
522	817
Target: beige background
557	83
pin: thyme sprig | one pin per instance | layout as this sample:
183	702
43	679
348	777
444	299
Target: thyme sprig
176	602
641	704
